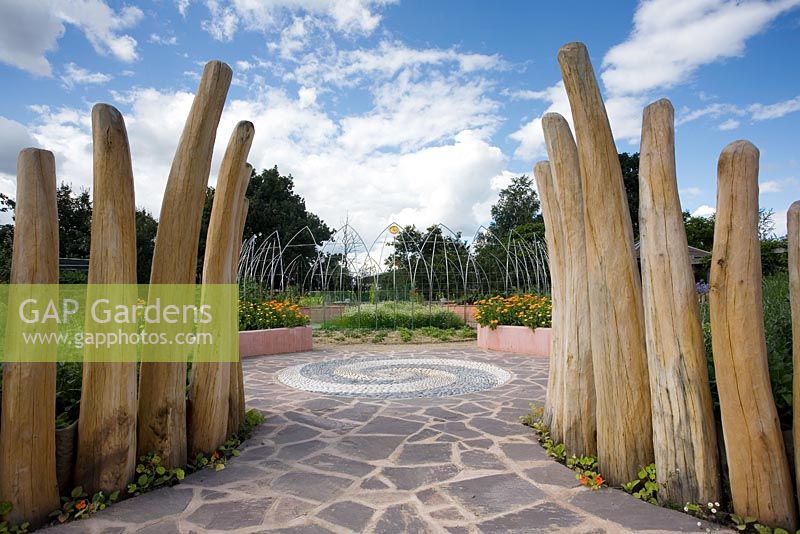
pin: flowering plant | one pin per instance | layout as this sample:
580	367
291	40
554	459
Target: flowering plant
532	311
269	314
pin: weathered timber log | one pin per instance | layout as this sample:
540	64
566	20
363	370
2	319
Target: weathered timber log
553	410
236	408
760	478
578	424
684	433
28	427
793	226
210	385
162	386
107	426
624	425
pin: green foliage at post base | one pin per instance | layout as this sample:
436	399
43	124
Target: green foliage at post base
5	526
150	475
78	505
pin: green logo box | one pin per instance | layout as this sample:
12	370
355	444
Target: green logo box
119	323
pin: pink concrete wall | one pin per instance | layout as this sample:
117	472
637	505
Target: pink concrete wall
518	339
274	341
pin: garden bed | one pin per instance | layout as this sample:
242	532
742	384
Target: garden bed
275	341
516	339
465	311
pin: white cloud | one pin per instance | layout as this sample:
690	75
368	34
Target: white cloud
346	16
730	124
182	6
704	211
770	186
162	40
763	112
29	30
351	67
13	138
672	38
531	136
74	75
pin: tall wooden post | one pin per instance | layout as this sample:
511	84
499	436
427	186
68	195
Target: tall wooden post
684	434
27	430
553	413
761	483
162	386
210	387
624	432
578	397
793	226
236	408
107	428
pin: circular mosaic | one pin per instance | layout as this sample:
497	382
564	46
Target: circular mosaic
394	378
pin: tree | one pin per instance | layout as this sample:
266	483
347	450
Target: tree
517	205
699	231
630	179
146	227
74	221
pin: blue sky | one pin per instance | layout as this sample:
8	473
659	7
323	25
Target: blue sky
415	112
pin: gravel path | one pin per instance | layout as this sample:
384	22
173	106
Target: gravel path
345	464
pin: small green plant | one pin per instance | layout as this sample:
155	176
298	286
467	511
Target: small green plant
5	526
379	337
150	475
405	334
742	523
78	505
645	487
217	460
586	471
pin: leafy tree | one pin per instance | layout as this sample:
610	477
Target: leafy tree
74	221
630	179
517	205
146	227
699	231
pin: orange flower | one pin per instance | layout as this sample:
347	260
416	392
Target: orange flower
584	479
598	480
80	505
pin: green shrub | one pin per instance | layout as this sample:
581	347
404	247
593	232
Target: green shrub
395	315
778	334
150	475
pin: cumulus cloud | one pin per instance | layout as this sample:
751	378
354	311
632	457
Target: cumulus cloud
704	211
29	30
770	186
360	17
74	75
730	124
13	138
672	38
669	41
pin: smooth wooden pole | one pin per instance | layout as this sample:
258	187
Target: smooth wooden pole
624	425
684	429
27	431
578	395
553	412
761	483
210	387
107	427
793	226
162	386
236	408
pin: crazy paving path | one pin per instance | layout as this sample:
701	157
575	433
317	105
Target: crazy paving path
340	464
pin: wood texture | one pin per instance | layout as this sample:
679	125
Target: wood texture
578	424
553	409
27	430
210	386
793	227
684	433
760	479
162	386
624	430
107	426
236	408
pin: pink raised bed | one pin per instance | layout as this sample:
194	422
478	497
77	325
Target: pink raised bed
274	341
517	339
465	311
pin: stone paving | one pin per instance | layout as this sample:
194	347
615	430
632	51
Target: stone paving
457	464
